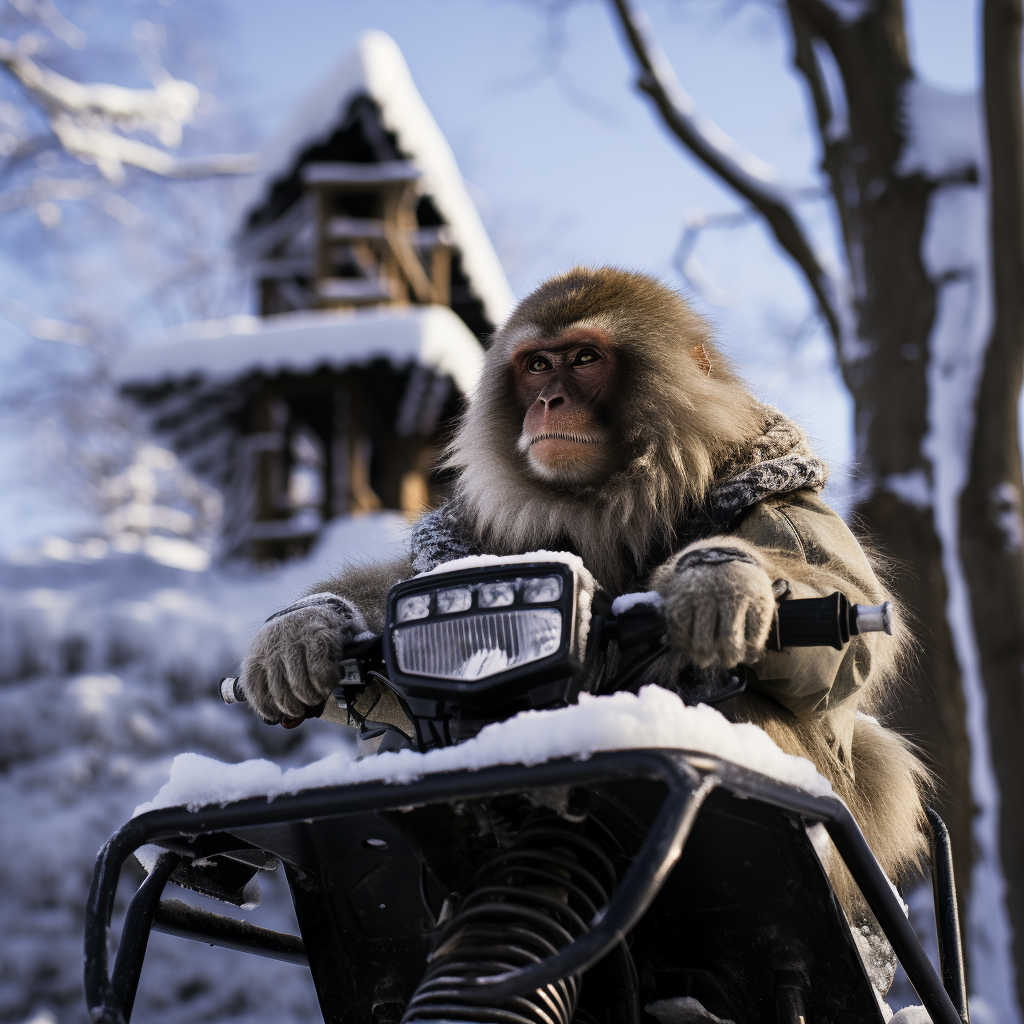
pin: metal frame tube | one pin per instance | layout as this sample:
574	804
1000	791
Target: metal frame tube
689	776
131	950
947	916
176	918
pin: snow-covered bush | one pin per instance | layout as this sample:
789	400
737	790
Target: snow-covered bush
108	668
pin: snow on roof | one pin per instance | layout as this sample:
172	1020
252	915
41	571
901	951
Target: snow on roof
432	336
376	67
620	721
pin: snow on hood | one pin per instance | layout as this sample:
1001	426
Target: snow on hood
620	721
376	67
540	555
432	336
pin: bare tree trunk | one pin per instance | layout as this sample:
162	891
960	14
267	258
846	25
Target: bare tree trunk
882	213
882	209
991	521
884	354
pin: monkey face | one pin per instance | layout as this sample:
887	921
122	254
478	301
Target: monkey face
564	387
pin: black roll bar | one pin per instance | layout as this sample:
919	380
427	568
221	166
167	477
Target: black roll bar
690	778
947	917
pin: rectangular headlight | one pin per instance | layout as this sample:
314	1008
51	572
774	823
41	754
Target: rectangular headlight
415	607
477	646
491	630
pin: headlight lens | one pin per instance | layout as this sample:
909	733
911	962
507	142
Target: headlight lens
497	595
458	599
543	590
417	606
478	646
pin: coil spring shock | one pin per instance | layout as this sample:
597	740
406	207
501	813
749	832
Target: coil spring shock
528	902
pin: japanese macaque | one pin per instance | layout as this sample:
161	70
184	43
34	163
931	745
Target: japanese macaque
606	423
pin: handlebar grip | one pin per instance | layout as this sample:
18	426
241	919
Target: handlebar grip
231	691
827	622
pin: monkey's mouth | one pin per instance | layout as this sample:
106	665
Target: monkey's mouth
558	436
567	457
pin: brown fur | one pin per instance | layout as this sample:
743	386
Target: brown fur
882	780
682	426
885	781
685	426
367	585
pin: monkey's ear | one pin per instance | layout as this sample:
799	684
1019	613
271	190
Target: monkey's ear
701	358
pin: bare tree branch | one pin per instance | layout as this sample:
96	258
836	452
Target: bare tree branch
87	121
685	258
45	13
806	62
822	18
43	190
741	171
110	151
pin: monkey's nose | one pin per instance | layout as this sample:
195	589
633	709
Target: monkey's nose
552	401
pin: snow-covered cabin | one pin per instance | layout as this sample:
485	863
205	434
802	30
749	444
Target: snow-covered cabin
375	286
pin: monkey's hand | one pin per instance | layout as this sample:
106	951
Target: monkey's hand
719	603
293	661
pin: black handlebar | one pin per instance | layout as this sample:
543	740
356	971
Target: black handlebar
827	622
801	622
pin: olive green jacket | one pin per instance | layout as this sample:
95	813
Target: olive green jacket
802	541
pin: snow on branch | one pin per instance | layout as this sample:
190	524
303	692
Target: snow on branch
110	151
88	119
45	190
44	328
748	175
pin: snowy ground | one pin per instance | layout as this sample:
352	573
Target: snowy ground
108	668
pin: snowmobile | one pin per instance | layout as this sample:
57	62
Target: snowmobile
632	885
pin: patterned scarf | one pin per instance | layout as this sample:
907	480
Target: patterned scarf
778	461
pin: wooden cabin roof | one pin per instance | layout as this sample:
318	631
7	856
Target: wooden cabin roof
368	111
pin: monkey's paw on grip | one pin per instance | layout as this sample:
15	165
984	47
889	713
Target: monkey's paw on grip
719	602
292	662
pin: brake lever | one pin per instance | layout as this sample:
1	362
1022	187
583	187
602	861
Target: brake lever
361	658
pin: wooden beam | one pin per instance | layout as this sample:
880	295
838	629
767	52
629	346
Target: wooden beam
441	274
351	289
399	225
353	176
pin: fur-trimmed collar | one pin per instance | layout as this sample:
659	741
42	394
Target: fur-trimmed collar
778	461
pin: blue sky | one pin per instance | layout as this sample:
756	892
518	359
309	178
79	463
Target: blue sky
564	157
568	163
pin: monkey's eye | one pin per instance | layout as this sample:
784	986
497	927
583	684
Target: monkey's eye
538	364
585	356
